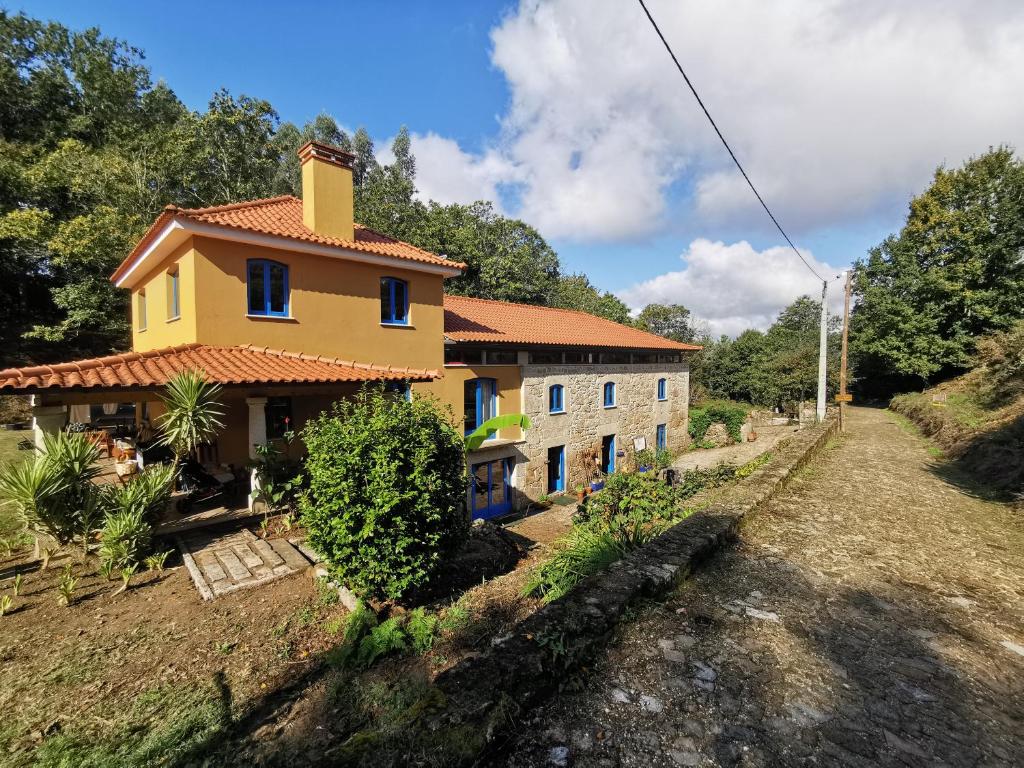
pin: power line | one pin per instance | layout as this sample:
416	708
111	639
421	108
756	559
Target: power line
726	144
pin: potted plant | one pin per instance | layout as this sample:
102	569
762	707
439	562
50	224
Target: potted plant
644	460
581	493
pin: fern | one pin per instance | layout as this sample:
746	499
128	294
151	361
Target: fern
384	639
421	628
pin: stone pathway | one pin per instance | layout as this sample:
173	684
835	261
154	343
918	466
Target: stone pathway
222	563
738	454
871	615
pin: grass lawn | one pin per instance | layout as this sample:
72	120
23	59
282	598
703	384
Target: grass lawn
9	452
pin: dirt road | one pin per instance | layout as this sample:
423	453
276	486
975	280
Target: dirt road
873	614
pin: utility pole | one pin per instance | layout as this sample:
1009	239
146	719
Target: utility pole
822	351
843	397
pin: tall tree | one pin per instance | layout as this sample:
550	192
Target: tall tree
577	292
952	273
669	320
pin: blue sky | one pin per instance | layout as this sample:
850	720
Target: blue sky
568	114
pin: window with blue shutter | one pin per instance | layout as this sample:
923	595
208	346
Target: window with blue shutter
609	394
556	399
661	437
394	301
662	389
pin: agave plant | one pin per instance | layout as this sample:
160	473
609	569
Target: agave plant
126	538
51	493
17	584
148	492
126	578
6	601
193	413
156	561
66	586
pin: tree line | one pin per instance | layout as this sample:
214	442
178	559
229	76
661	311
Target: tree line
91	150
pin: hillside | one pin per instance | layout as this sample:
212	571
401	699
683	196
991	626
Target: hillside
978	418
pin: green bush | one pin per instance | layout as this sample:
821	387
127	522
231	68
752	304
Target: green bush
638	496
126	538
730	414
386	490
147	492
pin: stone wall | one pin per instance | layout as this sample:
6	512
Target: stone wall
586	421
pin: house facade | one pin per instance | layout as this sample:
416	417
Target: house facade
290	305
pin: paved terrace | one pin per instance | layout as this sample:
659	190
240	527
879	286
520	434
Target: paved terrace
872	614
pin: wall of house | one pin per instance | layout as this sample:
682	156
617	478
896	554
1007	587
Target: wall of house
586	421
450	391
161	329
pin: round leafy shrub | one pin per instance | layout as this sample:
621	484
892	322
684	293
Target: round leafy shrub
384	506
636	496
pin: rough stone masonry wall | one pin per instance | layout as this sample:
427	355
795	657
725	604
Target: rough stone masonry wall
478	699
586	421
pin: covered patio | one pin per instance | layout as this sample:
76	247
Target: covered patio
116	401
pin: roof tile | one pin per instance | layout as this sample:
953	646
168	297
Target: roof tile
222	365
482	320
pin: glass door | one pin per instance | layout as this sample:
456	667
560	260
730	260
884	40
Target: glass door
490	492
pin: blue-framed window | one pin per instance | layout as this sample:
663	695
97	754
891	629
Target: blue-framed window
662	389
480	402
609	394
661	437
394	301
556	399
173	295
268	288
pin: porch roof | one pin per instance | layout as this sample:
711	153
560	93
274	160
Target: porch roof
222	365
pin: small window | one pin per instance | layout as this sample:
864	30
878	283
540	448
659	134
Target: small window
662	389
556	399
142	310
480	402
173	295
268	288
462	356
609	394
279	416
661	437
394	301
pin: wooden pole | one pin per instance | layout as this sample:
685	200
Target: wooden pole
842	365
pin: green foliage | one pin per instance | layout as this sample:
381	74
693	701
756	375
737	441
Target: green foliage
6	603
587	549
421	628
384	639
386	487
669	320
730	414
157	560
18	579
637	496
66	586
193	412
53	494
476	438
577	292
126	538
951	275
148	492
1001	360
280	478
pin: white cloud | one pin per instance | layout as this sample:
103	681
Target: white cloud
447	174
734	287
839	109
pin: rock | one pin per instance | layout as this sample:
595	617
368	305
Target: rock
704	672
685	641
558	756
583	741
666	645
684	758
684	743
675	657
896	742
651	704
619	696
754	613
805	715
704	685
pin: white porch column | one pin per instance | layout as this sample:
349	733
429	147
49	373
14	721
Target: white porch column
257	436
46	420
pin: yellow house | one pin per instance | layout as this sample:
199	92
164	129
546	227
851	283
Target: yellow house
290	305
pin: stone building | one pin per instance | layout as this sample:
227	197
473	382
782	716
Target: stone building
594	390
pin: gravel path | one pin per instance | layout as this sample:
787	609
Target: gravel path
871	615
737	454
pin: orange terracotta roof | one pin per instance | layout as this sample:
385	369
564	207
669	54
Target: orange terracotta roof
282	217
482	320
223	365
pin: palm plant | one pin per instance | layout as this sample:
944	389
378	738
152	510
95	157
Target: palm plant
193	413
148	491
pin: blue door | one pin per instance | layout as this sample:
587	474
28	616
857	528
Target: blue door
660	441
490	491
608	454
556	469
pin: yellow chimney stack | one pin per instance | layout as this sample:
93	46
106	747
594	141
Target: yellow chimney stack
327	203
